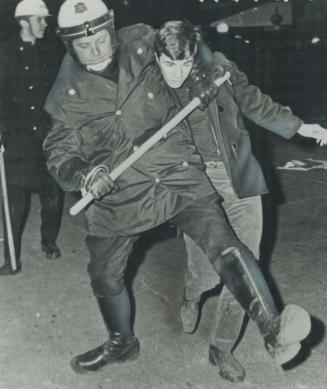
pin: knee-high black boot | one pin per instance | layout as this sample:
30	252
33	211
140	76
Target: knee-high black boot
122	346
283	332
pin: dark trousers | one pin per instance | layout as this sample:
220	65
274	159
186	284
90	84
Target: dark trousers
204	221
19	197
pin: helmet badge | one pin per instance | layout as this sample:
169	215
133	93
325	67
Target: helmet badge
80	8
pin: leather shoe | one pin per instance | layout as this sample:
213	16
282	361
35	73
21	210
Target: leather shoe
189	315
118	349
229	367
51	250
6	270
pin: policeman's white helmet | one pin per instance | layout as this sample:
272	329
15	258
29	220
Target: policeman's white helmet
31	7
78	18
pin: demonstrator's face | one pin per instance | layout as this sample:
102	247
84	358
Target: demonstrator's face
175	72
94	51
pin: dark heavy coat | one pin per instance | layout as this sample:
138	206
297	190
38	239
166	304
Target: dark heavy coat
226	130
26	76
97	122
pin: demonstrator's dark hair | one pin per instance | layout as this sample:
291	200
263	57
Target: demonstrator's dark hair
177	40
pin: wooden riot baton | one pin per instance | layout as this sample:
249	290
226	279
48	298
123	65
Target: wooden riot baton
10	238
137	154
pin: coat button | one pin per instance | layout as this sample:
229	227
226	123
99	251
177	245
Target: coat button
139	51
32	107
31	87
157	180
26	67
150	95
34	128
185	163
118	113
72	92
21	48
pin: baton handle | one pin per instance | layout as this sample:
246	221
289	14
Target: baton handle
81	204
137	154
10	238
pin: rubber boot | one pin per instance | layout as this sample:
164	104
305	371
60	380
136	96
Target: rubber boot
283	332
122	346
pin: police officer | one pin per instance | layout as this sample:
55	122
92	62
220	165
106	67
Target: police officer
28	67
108	98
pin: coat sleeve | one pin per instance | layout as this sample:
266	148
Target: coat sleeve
65	162
257	106
62	146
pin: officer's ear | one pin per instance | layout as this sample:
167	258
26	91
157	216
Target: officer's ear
23	23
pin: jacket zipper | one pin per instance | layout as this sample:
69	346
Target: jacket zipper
215	137
219	139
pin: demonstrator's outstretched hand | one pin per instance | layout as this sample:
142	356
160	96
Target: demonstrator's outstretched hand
314	131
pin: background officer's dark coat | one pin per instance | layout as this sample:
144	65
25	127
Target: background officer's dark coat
96	122
27	73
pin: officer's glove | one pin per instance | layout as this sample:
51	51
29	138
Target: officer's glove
98	182
201	85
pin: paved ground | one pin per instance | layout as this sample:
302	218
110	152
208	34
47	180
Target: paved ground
48	313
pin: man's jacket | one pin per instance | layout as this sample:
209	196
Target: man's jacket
97	121
222	127
26	76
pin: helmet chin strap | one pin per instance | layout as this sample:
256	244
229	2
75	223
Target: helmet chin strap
99	67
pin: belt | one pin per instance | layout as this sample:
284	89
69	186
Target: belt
213	163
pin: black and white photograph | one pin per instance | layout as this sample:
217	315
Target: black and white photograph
163	168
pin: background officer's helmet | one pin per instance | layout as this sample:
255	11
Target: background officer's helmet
31	7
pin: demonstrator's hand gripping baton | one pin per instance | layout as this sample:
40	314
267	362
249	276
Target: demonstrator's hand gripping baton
137	154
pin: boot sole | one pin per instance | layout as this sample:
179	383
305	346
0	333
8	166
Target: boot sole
287	353
295	325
